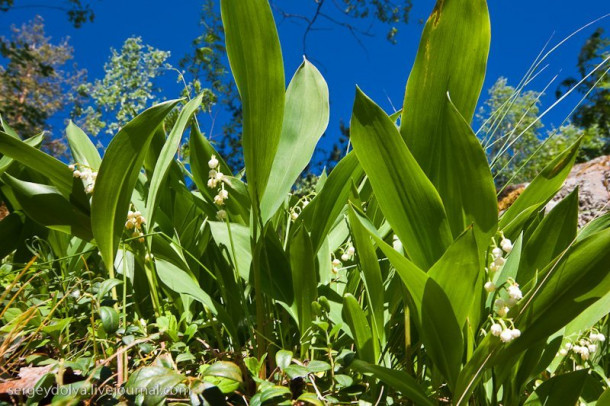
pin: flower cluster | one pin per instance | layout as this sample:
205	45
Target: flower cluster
506	246
396	243
134	224
86	174
336	265
585	347
216	182
348	253
514	295
295	211
506	334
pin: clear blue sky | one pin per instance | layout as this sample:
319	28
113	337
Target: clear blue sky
520	28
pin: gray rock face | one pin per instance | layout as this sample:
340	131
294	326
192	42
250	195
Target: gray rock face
593	181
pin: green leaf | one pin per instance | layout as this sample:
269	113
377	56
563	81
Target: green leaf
599	224
255	56
10	227
451	61
6	161
407	198
310	398
552	236
565	289
117	178
153	382
167	155
371	272
440	327
110	319
237	244
559	390
305	120
56	171
322	212
180	282
543	187
83	150
283	358
224	369
304	278
457	273
398	380
48	207
366	347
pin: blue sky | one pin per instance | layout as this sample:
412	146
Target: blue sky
520	28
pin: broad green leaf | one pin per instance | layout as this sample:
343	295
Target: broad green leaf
224	369
409	201
564	290
110	319
179	281
117	178
599	224
322	212
457	273
543	187
8	129
413	278
283	358
167	155
439	328
304	278
83	150
306	117
56	171
236	243
559	390
10	228
6	161
589	317
153	382
366	347
398	380
371	272
451	62
552	236
48	207
255	56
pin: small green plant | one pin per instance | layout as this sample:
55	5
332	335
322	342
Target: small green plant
394	281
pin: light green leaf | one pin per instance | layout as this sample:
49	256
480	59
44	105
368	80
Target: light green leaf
179	281
407	198
543	187
322	212
304	278
371	272
117	178
236	243
451	58
366	347
305	120
552	236
83	150
398	380
451	61
283	358
6	161
56	171
255	56
457	273
559	390
167	155
46	206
